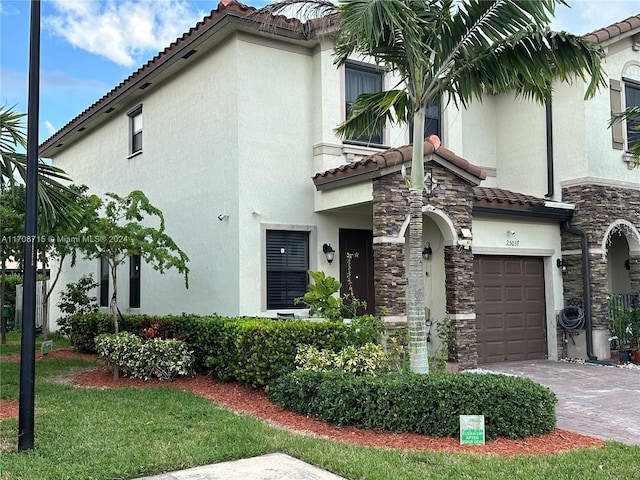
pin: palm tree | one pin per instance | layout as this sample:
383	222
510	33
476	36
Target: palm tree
448	50
52	194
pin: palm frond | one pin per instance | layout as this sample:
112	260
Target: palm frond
370	109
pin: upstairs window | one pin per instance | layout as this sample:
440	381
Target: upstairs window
287	265
361	79
632	99
135	126
432	121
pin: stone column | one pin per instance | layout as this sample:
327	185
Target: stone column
390	209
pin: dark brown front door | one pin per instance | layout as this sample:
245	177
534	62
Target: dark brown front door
359	244
510	308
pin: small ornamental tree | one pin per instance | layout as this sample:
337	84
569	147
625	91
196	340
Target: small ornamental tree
121	228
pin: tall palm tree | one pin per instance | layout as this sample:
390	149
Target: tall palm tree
53	195
448	50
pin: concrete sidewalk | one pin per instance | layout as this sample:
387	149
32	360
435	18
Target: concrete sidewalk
274	466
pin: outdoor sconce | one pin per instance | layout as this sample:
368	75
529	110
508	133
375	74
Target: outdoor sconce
430	183
562	264
328	252
426	252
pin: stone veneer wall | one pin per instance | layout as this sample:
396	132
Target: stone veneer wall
390	210
597	207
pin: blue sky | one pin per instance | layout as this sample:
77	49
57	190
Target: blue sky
89	46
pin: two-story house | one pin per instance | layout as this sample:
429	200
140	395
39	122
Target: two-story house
229	131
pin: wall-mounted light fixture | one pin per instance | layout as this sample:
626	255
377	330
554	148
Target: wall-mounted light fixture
223	216
511	232
427	251
562	264
430	183
329	252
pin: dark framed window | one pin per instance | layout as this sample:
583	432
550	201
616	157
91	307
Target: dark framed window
104	282
287	266
135	126
360	79
632	99
432	121
134	281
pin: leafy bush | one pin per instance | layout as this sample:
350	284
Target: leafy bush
367	359
427	404
255	352
75	298
83	329
162	358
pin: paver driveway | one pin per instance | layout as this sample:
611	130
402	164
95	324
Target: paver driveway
596	400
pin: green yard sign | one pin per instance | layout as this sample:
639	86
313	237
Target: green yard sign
46	347
471	429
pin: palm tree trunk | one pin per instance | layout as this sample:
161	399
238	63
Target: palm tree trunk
114	309
418	354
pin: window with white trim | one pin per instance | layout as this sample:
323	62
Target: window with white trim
287	265
135	127
362	79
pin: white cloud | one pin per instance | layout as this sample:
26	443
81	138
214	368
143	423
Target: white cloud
585	16
50	128
122	31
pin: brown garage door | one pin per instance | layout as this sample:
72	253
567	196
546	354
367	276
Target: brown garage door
510	308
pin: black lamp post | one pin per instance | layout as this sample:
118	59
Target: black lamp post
28	337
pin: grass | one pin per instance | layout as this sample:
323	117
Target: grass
13	343
129	433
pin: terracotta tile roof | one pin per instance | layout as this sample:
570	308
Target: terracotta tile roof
375	165
500	197
614	30
276	24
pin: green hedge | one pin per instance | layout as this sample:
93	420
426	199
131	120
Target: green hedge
513	407
253	351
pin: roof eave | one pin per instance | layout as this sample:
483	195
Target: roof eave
229	18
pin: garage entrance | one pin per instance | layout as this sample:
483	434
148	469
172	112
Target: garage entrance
510	308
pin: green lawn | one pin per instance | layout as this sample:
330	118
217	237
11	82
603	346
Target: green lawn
127	433
13	343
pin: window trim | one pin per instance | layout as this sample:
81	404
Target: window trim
132	114
103	284
368	68
135	264
635	84
313	255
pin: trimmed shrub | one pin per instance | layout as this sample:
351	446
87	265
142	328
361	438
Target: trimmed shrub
162	358
367	359
513	407
255	352
83	329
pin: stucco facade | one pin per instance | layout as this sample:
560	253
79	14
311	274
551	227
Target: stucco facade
238	142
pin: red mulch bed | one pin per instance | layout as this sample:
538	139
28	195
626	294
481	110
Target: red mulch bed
254	402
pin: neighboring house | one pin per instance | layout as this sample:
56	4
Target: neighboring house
237	149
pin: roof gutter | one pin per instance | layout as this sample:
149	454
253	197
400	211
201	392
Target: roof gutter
586	285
